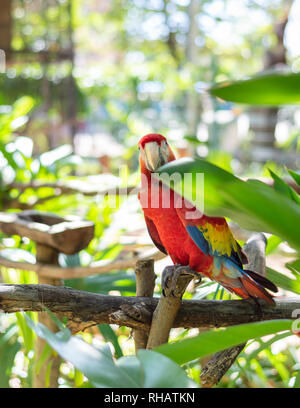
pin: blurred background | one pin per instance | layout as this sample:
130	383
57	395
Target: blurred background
81	81
103	73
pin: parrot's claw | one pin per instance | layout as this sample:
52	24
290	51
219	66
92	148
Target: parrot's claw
170	276
166	277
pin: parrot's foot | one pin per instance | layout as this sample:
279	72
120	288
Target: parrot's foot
171	274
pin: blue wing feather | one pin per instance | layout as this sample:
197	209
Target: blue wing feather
205	246
198	237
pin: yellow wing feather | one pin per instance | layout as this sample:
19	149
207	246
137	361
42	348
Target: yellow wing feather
219	237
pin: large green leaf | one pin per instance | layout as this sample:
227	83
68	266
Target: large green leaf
268	89
252	204
152	370
213	340
148	369
283	281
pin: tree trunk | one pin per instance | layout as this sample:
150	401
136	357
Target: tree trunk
263	121
6	26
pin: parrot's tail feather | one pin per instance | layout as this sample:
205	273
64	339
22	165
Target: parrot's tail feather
244	283
255	290
262	281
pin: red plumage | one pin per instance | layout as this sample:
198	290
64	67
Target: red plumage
204	243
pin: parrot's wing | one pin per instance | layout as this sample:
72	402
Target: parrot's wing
154	235
212	235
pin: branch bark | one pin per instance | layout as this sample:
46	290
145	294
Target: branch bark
145	282
92	309
166	311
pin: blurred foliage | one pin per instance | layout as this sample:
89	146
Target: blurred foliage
134	73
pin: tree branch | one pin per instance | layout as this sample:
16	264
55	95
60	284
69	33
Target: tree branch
145	282
92	309
167	309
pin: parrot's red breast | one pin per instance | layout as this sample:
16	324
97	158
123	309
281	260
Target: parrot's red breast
204	243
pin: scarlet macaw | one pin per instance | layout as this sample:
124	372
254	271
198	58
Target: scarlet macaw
204	244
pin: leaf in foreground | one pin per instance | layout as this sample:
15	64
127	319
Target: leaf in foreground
266	89
252	204
213	340
148	369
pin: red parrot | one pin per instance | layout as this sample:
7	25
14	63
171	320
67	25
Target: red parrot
204	244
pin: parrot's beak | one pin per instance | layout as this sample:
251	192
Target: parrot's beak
155	155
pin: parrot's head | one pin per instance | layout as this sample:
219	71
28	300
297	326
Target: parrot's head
154	151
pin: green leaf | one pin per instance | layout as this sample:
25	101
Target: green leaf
266	344
279	367
109	335
22	106
148	369
152	370
8	156
27	334
160	371
272	244
297	380
296	176
294	266
47	352
216	340
9	346
266	89
283	281
253	205
282	187
96	364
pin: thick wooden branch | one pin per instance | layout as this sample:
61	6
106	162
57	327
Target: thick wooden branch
167	309
136	312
